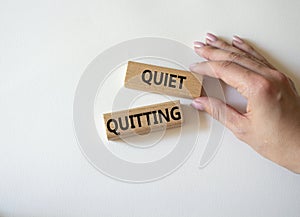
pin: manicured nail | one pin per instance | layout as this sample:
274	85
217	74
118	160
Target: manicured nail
197	105
211	37
208	41
198	44
237	39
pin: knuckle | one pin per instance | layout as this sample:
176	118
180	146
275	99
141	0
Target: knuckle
224	45
264	86
240	132
233	56
282	78
207	52
256	59
225	64
217	111
238	126
259	66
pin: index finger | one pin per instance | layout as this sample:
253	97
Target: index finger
235	75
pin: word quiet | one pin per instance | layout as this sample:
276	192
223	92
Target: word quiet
163	80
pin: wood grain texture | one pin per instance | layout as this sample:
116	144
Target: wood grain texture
163	80
143	120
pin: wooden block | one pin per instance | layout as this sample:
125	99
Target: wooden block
163	80
142	120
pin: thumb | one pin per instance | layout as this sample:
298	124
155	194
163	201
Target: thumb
222	112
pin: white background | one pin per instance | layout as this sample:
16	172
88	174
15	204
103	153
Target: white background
45	47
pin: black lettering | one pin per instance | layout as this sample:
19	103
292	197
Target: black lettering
148	117
172	80
165	116
115	127
175	115
138	118
147	81
121	124
166	79
160	78
181	80
154	117
131	121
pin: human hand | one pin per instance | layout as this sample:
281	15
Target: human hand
271	123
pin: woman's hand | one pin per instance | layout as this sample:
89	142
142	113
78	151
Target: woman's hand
271	124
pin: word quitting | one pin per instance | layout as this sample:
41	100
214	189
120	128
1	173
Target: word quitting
142	120
163	80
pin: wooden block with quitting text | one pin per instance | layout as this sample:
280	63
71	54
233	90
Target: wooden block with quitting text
143	120
163	80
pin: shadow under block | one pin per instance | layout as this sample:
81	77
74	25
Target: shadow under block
143	120
163	80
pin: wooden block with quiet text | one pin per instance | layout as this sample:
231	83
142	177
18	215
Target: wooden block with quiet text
163	80
142	120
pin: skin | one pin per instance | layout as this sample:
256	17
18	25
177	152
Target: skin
271	123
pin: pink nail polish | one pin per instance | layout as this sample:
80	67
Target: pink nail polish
211	37
208	41
198	44
197	105
237	39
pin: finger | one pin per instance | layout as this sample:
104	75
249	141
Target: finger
242	45
212	53
238	46
222	112
214	41
237	76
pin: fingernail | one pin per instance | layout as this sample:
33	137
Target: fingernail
237	39
197	105
211	37
192	66
198	44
